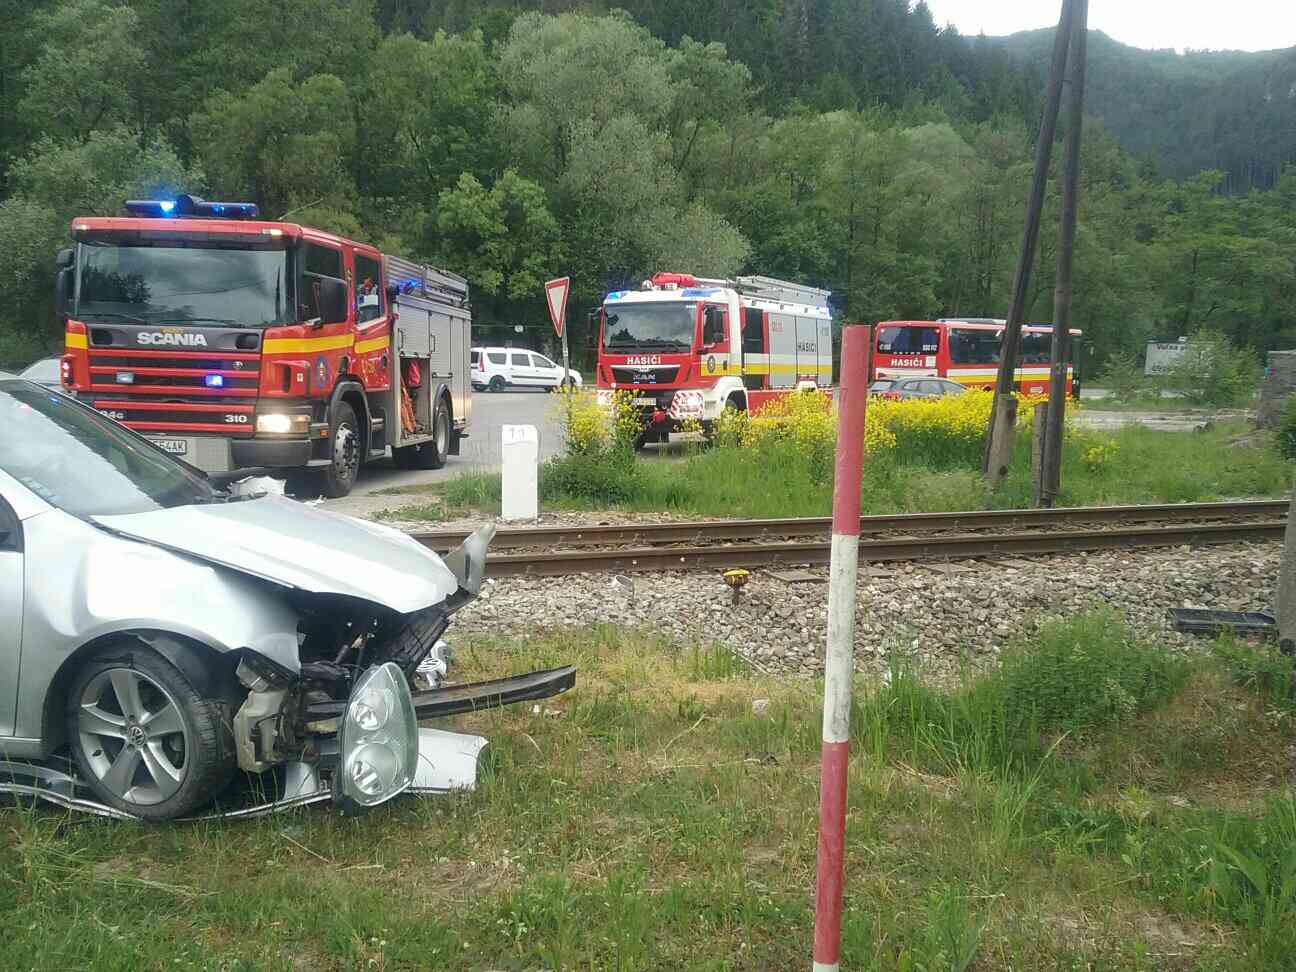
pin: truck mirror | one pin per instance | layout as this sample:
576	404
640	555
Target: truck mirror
392	293
64	257
333	300
62	291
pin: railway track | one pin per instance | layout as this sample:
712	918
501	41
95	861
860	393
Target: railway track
547	551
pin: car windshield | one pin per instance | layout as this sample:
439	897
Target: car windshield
627	326
156	282
84	464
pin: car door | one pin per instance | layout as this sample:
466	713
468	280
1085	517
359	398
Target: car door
11	608
520	370
546	372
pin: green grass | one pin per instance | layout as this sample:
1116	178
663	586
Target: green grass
657	822
1146	467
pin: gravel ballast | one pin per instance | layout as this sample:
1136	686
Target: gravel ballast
936	613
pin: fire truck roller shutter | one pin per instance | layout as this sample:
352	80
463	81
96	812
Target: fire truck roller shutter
825	352
782	350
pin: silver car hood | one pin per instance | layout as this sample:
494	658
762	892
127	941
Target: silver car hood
299	546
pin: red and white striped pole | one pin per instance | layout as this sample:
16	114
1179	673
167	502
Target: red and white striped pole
839	661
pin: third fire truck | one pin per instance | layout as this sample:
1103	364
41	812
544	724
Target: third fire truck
687	347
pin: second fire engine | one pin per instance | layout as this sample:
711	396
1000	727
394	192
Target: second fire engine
688	347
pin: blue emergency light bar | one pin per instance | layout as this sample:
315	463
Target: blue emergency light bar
191	207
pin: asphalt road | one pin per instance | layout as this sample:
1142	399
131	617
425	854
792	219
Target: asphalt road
481	450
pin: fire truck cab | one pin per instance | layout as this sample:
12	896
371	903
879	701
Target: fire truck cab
688	347
235	343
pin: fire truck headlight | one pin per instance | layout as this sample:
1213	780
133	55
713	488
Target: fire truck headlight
282	423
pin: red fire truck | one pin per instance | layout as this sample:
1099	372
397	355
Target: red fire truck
236	343
690	346
965	351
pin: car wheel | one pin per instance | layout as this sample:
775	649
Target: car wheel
144	739
497	384
570	383
339	476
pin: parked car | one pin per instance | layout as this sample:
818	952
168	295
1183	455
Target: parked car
499	368
46	371
159	634
915	388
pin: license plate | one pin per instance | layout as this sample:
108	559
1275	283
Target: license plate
177	447
645	401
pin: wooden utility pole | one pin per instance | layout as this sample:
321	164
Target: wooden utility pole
1003	416
1050	477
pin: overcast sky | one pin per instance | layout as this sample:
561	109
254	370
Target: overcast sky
1243	25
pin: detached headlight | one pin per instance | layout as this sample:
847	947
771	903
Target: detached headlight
283	423
379	738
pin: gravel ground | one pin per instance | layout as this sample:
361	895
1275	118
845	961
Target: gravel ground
935	612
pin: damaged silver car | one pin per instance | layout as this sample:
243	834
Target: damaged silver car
167	648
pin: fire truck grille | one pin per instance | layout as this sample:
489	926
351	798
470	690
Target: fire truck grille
185	363
238	419
177	393
228	384
629	375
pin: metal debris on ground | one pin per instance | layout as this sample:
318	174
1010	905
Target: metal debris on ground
1207	622
796	576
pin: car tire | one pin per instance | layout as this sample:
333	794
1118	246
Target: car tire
569	384
144	739
339	476
431	454
497	384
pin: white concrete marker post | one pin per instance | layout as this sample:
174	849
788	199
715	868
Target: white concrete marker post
520	474
839	661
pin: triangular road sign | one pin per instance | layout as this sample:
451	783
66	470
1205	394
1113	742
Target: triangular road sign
556	295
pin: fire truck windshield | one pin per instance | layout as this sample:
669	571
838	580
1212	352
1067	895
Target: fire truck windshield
660	325
168	282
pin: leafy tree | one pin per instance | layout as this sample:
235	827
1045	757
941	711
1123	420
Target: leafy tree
427	116
57	181
89	64
286	145
503	238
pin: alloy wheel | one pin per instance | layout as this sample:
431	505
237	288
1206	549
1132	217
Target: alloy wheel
133	736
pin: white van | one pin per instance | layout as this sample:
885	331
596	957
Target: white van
499	368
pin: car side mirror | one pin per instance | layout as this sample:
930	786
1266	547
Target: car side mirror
62	291
332	300
64	257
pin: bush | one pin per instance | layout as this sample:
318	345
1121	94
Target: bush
1213	372
1074	674
591	427
605	477
1261	668
1287	429
1081	673
1123	376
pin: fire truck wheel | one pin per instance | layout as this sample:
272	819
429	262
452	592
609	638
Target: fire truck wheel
428	455
337	478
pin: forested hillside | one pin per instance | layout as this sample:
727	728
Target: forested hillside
851	144
1231	111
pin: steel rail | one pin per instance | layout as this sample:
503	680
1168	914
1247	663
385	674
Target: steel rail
557	563
710	531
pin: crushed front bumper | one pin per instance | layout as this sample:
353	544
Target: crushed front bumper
447	761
